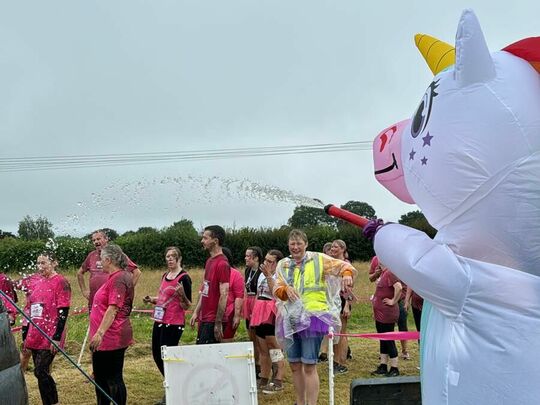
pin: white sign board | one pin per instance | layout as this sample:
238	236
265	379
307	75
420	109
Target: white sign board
217	374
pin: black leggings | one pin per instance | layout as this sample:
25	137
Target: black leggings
417	313
164	335
386	346
108	366
42	370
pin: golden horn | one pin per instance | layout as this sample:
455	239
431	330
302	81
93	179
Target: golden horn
438	54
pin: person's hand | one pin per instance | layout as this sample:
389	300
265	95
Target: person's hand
147	299
371	228
346	284
86	294
266	269
53	348
193	319
388	301
236	321
218	331
292	294
96	340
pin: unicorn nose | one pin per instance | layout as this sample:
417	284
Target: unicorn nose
387	160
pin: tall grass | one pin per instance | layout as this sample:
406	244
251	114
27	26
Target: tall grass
143	380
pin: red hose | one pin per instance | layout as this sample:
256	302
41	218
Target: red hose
345	215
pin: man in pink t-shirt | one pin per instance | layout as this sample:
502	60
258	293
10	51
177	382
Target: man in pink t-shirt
235	300
213	294
92	264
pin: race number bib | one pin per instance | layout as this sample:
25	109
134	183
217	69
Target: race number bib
159	313
206	287
36	310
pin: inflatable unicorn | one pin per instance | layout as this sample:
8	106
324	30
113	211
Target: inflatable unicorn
470	159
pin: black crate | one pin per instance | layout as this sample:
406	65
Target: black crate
386	391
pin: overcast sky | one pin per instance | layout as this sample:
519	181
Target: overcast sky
99	77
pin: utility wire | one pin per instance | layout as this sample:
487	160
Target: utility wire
31	163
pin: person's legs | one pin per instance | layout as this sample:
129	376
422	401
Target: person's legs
101	376
402	327
42	370
312	383
266	364
116	383
156	345
253	337
340	349
206	333
298	377
417	313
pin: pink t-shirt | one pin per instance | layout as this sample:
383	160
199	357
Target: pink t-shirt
385	289
48	295
6	285
26	284
216	271
168	308
92	264
118	290
236	290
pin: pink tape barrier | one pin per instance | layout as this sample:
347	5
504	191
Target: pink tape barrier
384	336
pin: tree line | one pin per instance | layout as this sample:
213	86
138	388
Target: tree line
146	245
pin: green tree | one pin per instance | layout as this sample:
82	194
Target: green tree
307	217
39	228
417	220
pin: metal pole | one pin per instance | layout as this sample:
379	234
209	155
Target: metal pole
331	366
83	345
58	348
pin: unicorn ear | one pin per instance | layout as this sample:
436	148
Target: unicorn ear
473	59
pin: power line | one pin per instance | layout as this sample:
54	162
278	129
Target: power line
31	163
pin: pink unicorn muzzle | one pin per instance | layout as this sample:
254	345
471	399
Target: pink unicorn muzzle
387	161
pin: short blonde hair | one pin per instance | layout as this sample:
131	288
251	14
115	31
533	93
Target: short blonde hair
298	234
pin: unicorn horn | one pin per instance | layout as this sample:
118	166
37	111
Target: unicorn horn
438	54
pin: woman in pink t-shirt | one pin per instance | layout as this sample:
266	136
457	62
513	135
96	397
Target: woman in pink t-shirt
49	305
173	299
110	327
386	313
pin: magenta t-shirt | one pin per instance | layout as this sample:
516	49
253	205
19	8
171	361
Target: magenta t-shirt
168	308
216	271
49	294
385	289
98	277
117	290
236	290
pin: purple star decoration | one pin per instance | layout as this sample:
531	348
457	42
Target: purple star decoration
411	154
424	161
427	140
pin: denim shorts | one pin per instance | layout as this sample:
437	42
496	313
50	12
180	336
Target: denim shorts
305	349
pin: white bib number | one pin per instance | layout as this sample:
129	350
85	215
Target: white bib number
159	313
36	310
206	287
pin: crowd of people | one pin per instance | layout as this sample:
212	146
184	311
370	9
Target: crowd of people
288	303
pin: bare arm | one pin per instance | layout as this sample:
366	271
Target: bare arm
238	303
106	323
195	314
397	294
136	275
223	293
374	276
80	278
407	301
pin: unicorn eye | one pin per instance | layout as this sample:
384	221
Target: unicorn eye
421	116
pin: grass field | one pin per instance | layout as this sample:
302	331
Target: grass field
144	382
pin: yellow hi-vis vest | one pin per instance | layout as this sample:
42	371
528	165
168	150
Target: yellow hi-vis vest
308	280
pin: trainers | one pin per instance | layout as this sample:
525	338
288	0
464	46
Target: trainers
394	372
381	370
405	356
322	358
340	369
272	388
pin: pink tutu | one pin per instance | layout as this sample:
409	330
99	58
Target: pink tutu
247	309
264	312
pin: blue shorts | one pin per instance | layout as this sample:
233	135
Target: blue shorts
305	349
